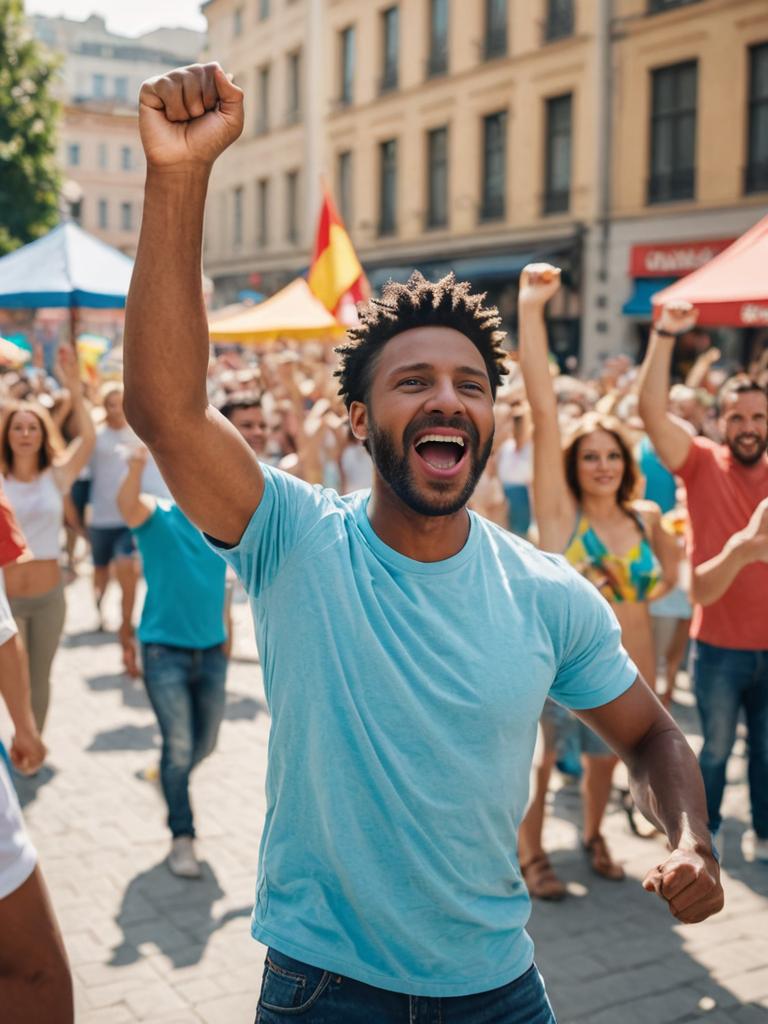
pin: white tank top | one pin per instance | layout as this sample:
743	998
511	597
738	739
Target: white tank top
39	508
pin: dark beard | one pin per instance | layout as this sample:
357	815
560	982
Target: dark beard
395	471
746	460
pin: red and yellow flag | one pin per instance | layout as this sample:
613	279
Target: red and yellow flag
336	276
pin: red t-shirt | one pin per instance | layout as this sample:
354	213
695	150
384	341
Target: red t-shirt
722	495
12	543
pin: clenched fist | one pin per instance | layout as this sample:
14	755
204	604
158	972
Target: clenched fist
538	283
689	884
189	116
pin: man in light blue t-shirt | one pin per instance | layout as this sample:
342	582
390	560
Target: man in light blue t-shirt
182	638
407	644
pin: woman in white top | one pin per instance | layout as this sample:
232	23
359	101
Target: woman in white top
38	471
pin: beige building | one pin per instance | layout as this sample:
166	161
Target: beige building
476	135
99	149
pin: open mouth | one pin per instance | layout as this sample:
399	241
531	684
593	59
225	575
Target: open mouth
443	454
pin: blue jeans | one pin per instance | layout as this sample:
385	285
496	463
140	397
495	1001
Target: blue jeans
186	688
725	681
292	990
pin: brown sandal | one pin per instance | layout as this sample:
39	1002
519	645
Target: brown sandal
600	860
542	882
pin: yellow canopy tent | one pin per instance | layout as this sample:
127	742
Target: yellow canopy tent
293	312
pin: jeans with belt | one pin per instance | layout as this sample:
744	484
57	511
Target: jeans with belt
725	681
292	990
186	688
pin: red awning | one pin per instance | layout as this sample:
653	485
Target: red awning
732	289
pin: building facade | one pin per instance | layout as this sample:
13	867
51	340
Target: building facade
476	135
99	148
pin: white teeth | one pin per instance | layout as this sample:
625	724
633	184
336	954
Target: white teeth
448	439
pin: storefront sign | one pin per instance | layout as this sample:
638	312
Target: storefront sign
754	315
673	259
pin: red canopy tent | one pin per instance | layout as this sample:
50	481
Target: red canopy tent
732	289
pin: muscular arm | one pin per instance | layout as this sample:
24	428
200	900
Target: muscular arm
666	784
186	119
669	439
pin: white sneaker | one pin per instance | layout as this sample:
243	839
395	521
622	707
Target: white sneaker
182	860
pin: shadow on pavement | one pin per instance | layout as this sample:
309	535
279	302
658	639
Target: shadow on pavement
173	914
28	786
126	737
243	708
132	690
89	638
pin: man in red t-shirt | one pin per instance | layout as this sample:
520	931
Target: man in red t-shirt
727	487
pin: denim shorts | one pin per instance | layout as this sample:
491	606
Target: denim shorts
564	733
292	990
109	543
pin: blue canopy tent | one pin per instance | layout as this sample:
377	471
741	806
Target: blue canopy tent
67	268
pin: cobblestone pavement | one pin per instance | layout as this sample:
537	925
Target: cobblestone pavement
145	946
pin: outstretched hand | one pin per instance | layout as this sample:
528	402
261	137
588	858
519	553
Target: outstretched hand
189	116
538	283
689	884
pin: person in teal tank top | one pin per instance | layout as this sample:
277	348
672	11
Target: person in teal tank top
585	497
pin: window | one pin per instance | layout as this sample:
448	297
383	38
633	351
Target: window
388	187
262	111
437	63
390	27
237	21
437	178
495	39
292	207
344	185
237	215
492	206
103	214
99	86
126	216
262	208
347	65
263	10
293	114
121	88
73	154
103	156
657	6
126	158
673	133
557	197
756	177
76	211
559	22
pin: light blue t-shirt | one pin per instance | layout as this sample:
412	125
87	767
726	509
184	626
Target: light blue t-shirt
184	606
404	698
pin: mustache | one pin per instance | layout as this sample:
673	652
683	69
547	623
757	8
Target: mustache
464	426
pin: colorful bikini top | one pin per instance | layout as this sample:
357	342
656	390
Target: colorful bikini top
629	578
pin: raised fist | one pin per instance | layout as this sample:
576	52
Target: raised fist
538	283
189	116
677	317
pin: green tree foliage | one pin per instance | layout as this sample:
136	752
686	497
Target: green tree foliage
29	178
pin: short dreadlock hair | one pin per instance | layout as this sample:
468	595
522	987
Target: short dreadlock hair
419	303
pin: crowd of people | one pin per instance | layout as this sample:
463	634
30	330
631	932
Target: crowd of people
573	467
405	705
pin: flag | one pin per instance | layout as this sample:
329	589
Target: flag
336	276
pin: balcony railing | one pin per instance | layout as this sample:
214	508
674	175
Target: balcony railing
495	43
388	81
756	176
557	201
672	185
437	62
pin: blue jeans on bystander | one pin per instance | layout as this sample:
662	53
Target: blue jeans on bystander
726	680
292	990
187	691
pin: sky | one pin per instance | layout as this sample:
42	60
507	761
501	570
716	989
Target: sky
127	17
